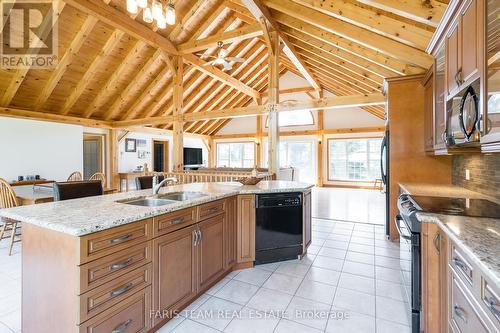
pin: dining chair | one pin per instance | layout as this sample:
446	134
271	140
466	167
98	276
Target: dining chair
75	177
99	176
146	182
77	189
8	199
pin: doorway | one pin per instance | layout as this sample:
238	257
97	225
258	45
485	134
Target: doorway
93	154
160	156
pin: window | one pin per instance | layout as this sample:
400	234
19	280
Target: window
299	155
236	155
294	118
354	159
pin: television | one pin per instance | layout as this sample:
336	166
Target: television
193	157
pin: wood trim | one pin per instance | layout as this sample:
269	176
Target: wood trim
363	187
165	155
101	139
306	132
232	142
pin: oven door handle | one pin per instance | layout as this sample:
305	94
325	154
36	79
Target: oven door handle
397	219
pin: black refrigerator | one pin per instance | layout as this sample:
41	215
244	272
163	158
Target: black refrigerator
384	169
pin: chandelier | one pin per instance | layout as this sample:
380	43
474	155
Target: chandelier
163	15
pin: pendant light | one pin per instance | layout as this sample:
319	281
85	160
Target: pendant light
171	14
142	3
157	10
132	6
162	22
147	15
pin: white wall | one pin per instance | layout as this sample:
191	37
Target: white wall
29	147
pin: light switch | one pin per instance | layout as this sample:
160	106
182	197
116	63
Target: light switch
467	174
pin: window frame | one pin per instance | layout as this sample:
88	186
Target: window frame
266	123
328	159
234	142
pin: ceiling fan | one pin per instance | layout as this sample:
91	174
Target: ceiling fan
222	59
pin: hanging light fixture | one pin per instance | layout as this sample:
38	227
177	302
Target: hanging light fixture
171	14
157	10
142	3
147	15
162	22
132	6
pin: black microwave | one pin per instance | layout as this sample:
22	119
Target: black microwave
462	117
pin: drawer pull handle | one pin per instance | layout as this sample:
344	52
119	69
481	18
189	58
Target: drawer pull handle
460	313
437	239
213	209
177	220
120	264
493	305
121	290
460	264
120	239
122	327
195	240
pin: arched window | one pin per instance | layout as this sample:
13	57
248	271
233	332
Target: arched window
294	118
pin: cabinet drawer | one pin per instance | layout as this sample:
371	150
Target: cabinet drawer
129	316
173	221
211	209
463	314
102	243
100	271
101	298
460	264
490	302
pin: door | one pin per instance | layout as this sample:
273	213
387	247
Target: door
175	270
160	156
92	155
453	59
230	232
439	98
245	252
211	250
429	113
470	47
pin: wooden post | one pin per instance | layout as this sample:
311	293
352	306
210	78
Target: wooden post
113	159
321	143
211	153
258	142
178	130
273	100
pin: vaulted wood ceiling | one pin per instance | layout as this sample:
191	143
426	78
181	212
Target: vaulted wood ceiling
116	67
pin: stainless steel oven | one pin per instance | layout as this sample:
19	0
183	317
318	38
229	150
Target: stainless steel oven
462	117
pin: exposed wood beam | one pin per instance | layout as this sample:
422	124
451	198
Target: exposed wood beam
426	12
20	74
353	33
220	75
246	32
259	11
44	116
122	21
178	105
305	132
251	111
291	91
65	61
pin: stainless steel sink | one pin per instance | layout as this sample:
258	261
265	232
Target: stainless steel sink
182	196
147	202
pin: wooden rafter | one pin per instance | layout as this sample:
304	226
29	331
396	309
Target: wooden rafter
259	11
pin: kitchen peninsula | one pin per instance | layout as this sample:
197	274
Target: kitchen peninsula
99	264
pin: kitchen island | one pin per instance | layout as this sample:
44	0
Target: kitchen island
99	264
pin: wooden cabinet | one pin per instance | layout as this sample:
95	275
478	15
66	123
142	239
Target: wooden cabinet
452	46
439	112
245	232
428	83
230	232
175	271
211	250
434	278
306	221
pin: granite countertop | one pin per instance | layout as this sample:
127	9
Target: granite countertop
478	237
80	217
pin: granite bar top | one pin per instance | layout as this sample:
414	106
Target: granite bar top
478	237
84	216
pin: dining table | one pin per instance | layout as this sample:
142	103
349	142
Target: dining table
40	193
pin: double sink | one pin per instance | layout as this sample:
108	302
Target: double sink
162	199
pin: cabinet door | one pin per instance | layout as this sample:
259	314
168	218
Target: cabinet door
470	47
439	97
246	228
211	250
230	233
306	221
175	270
452	59
429	113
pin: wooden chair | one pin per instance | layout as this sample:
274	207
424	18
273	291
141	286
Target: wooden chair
76	190
75	177
99	176
8	199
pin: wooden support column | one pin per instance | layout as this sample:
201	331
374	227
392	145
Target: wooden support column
321	143
273	100
177	67
258	142
113	159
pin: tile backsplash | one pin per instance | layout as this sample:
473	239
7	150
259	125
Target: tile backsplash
484	173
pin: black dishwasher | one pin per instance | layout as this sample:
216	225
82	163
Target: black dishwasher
278	233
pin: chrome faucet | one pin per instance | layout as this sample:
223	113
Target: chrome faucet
157	186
